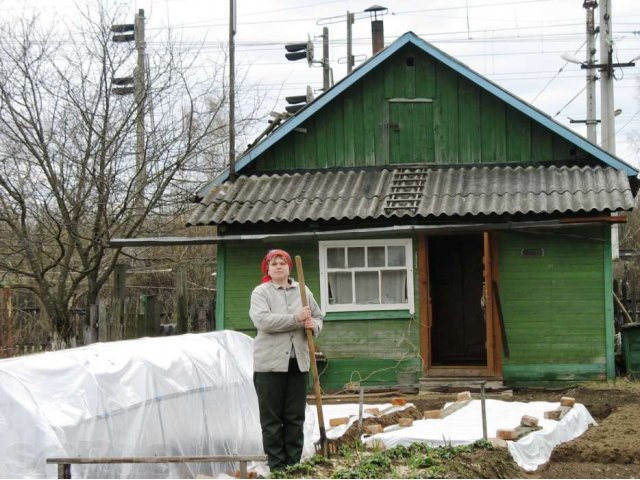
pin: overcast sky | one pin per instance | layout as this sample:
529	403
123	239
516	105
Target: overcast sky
516	44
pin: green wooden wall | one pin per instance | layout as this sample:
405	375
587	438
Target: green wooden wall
557	307
558	312
368	348
461	124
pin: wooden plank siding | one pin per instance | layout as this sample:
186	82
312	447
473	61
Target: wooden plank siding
553	306
465	124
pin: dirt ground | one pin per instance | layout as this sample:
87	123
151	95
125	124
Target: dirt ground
609	450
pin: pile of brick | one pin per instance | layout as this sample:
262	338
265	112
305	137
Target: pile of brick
405	419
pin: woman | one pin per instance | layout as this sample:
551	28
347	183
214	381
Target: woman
281	358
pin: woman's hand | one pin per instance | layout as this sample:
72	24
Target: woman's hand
303	314
310	323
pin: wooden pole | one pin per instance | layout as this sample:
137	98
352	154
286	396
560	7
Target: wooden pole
140	99
232	92
312	358
350	62
624	310
116	327
182	317
6	323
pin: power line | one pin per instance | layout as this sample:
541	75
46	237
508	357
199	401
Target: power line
630	120
463	7
569	102
556	75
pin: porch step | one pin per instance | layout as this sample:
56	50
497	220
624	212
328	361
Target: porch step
457	384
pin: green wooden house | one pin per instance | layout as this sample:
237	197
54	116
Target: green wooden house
446	227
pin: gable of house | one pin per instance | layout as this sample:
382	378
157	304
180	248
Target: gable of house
412	103
413	109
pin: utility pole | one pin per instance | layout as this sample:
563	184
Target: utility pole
607	125
350	59
326	71
590	6
139	86
232	94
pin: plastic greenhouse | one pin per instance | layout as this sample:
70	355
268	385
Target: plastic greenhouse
181	395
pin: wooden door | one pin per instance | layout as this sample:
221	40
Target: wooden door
456	308
410	131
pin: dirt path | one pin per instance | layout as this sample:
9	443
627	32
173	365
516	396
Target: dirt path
610	450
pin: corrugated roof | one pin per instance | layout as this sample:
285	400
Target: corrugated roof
414	191
411	38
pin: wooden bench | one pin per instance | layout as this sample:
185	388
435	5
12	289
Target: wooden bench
64	464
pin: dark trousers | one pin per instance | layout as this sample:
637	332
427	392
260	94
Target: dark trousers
282	399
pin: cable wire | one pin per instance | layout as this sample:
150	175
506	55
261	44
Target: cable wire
569	102
556	76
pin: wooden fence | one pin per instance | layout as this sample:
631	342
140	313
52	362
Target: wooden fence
129	312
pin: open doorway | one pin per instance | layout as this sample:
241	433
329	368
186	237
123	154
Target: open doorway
458	329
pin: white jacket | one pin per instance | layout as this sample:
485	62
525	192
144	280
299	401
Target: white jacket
273	312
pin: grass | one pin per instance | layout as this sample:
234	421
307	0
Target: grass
414	461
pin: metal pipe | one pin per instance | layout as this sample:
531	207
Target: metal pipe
484	411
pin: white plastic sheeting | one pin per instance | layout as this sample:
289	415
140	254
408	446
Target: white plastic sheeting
465	426
181	395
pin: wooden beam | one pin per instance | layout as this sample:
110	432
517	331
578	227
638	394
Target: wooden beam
424	302
488	303
497	332
622	218
624	310
159	459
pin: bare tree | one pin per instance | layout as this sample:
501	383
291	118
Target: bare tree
67	152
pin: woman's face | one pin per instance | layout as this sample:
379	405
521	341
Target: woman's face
278	269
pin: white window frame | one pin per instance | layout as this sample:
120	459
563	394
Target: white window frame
407	243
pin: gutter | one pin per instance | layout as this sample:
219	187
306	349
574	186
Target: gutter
360	232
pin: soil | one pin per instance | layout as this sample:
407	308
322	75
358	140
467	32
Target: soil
609	450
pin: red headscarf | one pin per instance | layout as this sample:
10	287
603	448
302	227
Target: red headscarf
267	259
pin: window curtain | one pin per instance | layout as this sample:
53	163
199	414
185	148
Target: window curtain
394	286
340	288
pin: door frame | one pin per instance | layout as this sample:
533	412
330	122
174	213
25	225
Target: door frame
493	343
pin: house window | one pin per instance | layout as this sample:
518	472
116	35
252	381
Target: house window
361	275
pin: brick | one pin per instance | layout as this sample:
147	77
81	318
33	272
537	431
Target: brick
504	434
567	402
236	474
515	433
556	414
552	414
398	401
405	422
433	414
372	411
373	429
464	396
529	421
334	422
